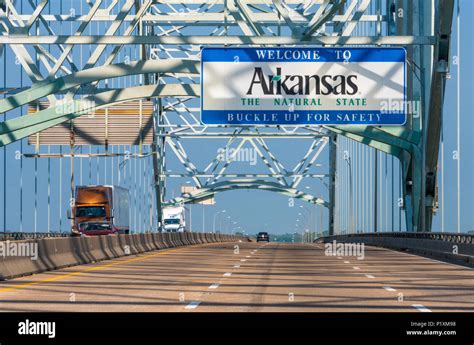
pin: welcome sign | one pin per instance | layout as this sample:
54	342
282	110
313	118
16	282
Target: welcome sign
303	86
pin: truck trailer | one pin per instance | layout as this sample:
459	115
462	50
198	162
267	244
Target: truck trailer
100	210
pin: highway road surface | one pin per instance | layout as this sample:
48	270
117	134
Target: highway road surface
272	277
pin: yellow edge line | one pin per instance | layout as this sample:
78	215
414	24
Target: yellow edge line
90	269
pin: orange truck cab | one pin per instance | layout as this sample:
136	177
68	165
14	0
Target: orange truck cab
100	210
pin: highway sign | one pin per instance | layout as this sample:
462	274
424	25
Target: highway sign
206	201
303	86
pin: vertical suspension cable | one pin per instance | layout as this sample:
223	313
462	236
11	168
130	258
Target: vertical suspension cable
458	115
97	166
106	151
60	187
143	193
129	163
49	189
370	184
392	194
118	166
21	157
81	65
381	191
364	189
348	187
386	192
357	185
90	146
112	167
4	148
400	196
135	192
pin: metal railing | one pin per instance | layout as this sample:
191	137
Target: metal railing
438	236
17	236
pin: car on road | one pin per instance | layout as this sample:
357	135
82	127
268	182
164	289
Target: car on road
263	236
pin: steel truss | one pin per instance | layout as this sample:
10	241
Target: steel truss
165	33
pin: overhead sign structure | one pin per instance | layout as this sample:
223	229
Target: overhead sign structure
206	201
303	86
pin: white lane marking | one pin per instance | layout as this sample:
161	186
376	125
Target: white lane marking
243	260
339	257
356	268
346	262
214	286
421	308
388	288
227	274
247	256
193	305
236	266
370	276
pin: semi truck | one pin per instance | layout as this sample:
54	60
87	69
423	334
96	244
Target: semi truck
173	219
100	210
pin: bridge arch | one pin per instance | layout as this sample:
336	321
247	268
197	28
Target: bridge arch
209	191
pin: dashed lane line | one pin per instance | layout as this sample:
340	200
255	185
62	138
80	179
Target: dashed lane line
388	288
421	308
193	305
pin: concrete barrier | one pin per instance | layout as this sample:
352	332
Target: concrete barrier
198	237
167	240
188	238
160	240
194	238
60	252
177	239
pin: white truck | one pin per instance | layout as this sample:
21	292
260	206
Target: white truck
173	219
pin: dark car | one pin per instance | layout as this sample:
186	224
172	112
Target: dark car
263	236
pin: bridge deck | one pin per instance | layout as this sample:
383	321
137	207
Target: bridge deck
273	277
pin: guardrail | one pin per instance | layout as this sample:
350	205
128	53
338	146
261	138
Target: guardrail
35	255
16	236
451	247
438	236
